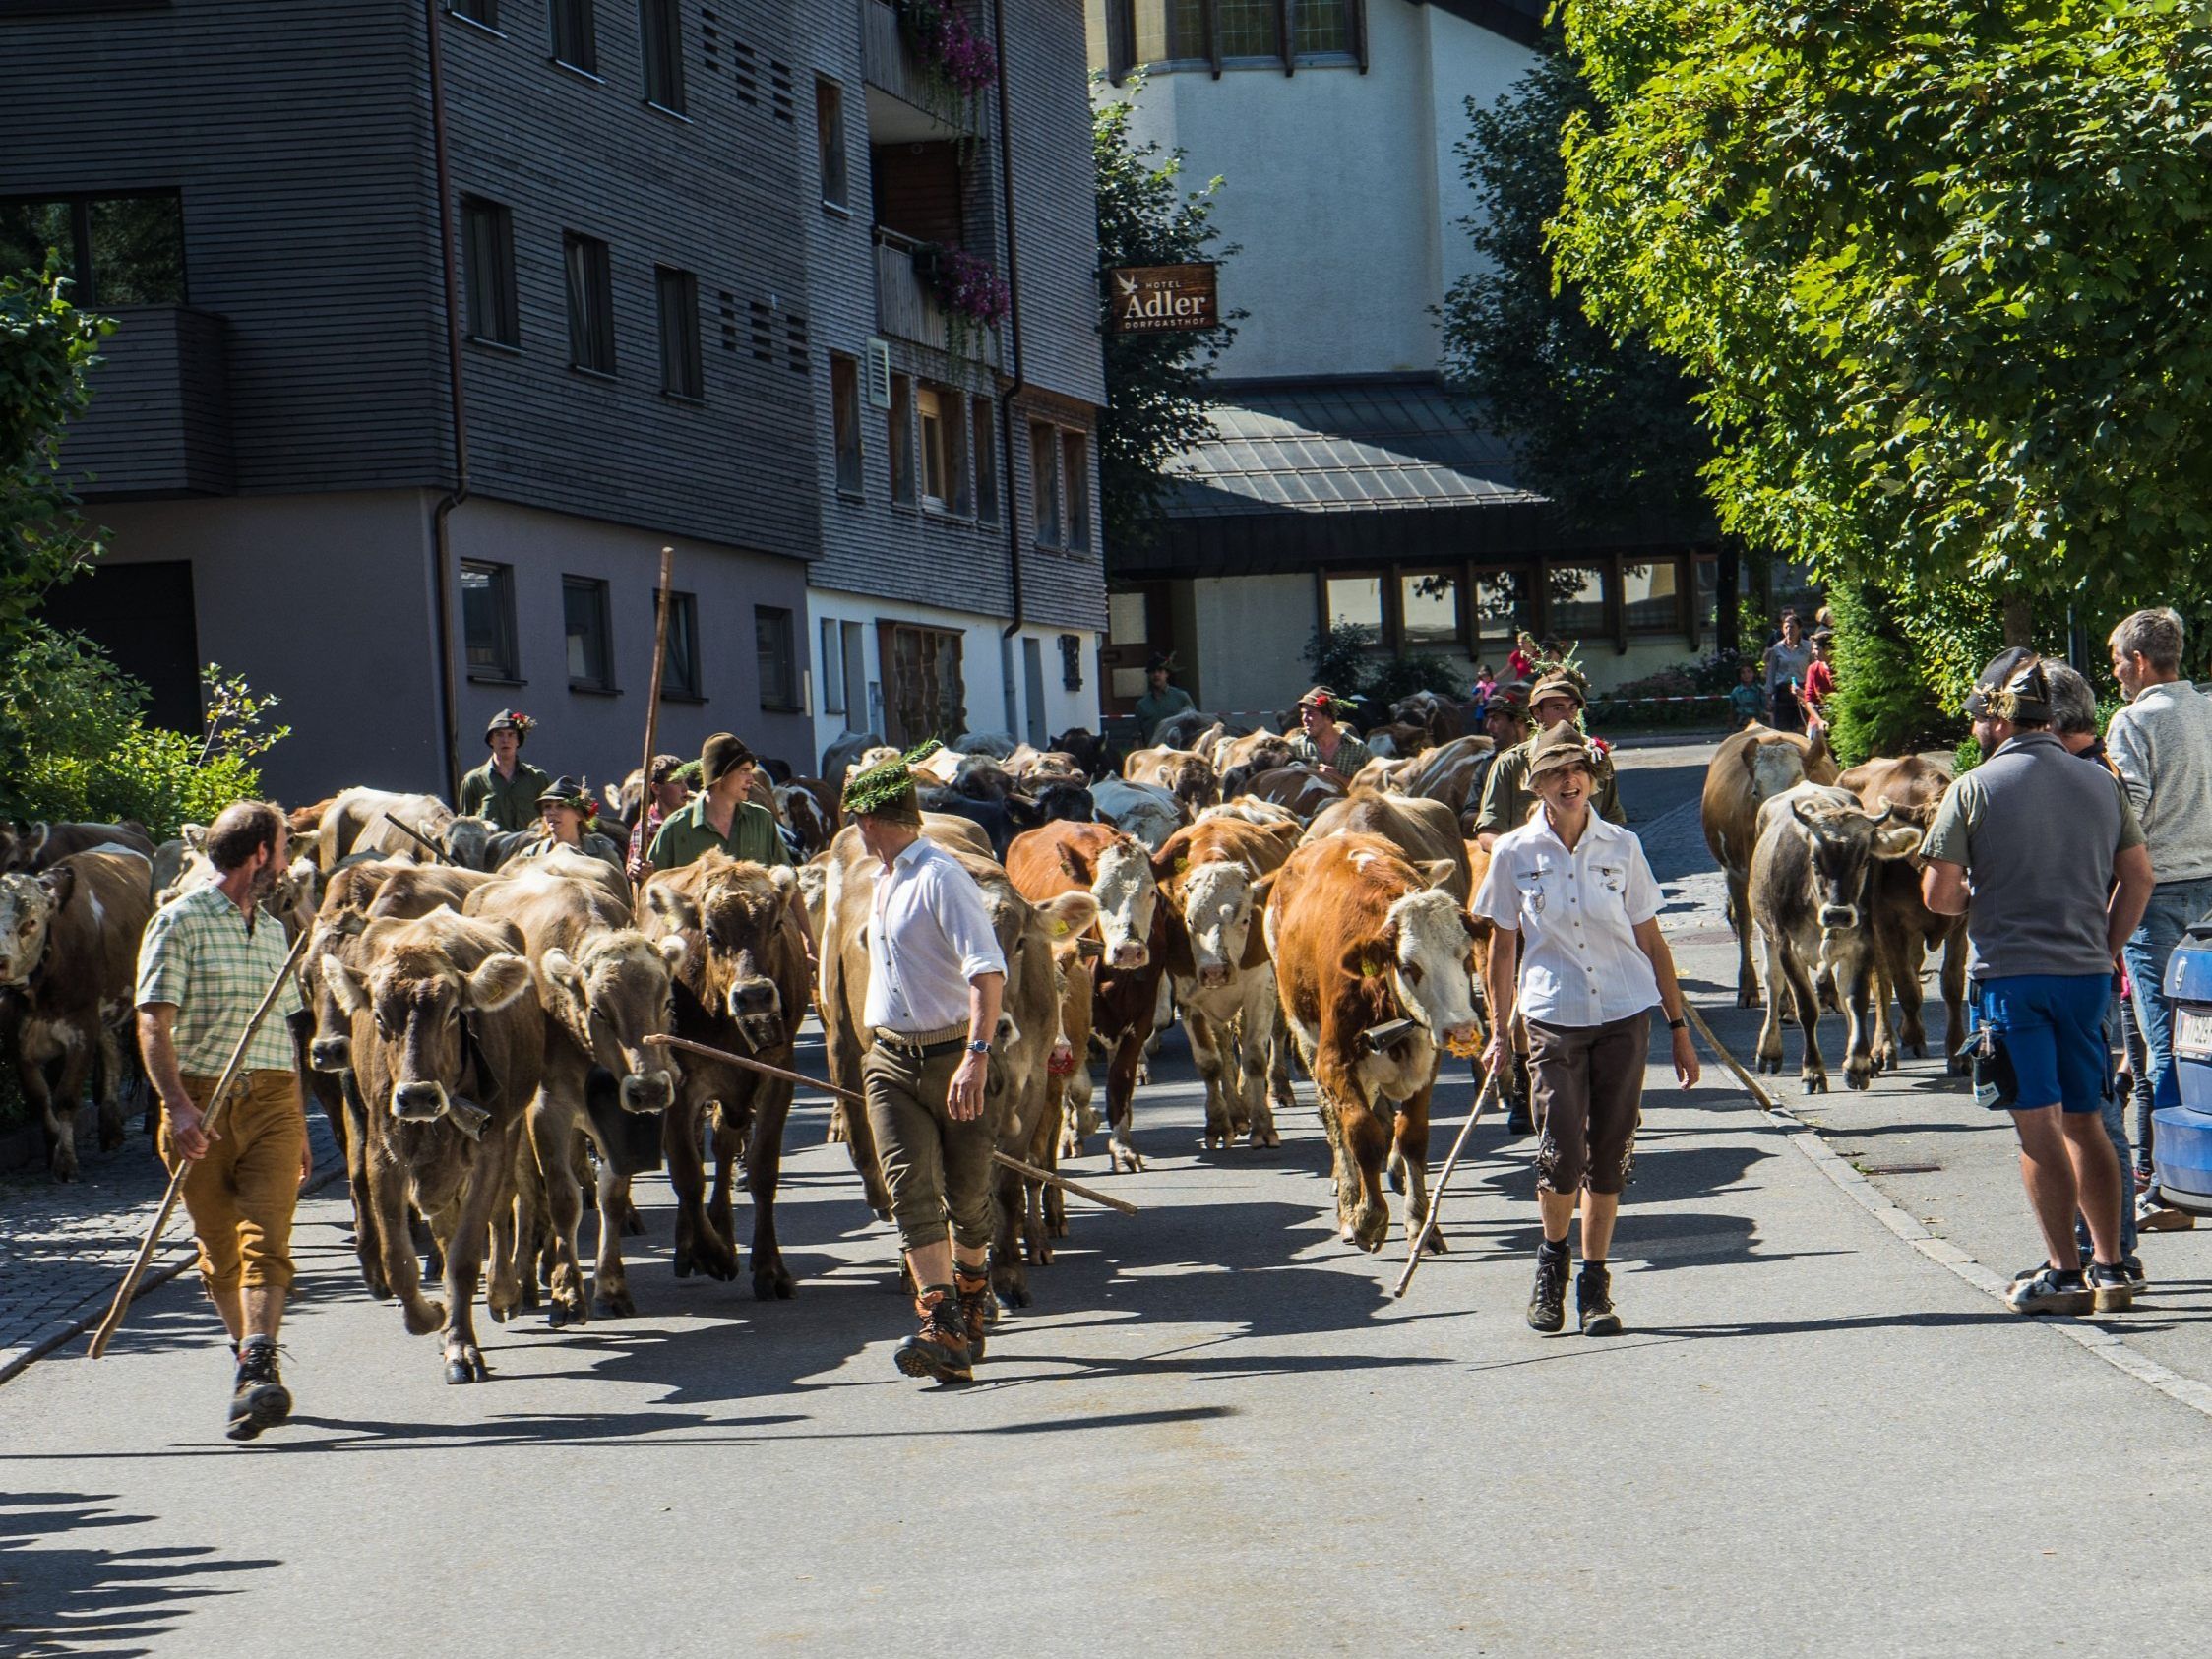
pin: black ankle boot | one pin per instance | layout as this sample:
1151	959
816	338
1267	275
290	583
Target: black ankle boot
1593	1301
1546	1302
259	1399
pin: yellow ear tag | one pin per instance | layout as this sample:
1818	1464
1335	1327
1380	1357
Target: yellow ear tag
1059	928
1181	865
1371	967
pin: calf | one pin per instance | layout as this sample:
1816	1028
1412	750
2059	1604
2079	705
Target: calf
1811	894
742	986
1905	929
1215	873
447	1047
1374	970
69	939
1748	769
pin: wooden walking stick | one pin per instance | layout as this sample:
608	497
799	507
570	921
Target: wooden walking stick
1436	1196
1005	1161
210	1121
652	704
419	838
1759	1094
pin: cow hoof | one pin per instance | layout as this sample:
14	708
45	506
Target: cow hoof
1961	1065
1435	1245
633	1224
1120	1154
564	1314
774	1285
1747	998
1263	1136
424	1317
467	1366
62	1168
1814	1083
1014	1293
613	1301
1855	1078
111	1140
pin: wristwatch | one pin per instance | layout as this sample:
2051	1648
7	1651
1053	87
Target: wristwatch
977	1046
1678	1025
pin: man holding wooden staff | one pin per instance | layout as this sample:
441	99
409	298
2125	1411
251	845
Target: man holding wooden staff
935	979
206	961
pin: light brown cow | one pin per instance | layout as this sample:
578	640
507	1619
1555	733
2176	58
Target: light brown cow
1215	873
605	988
1186	776
69	939
1424	832
1374	969
358	820
1748	769
447	1045
1905	929
1240	759
1297	786
1450	773
742	986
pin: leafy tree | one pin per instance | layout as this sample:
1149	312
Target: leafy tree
1600	424
1943	267
46	345
1155	383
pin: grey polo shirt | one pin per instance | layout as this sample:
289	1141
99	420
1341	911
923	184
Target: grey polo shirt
2037	829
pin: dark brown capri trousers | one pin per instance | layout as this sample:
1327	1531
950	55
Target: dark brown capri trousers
935	1167
1588	1084
242	1194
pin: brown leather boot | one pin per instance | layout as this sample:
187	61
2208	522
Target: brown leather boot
977	1306
940	1350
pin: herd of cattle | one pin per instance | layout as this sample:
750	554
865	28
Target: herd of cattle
482	1040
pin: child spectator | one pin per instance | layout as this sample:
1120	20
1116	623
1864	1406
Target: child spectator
1485	685
1746	701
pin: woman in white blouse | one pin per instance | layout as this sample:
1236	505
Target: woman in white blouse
1579	952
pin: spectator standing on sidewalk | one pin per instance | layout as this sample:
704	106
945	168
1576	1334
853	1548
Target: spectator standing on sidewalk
1746	700
2045	861
2161	745
1820	677
1787	659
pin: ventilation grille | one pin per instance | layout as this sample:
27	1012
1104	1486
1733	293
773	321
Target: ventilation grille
711	41
745	69
795	342
764	333
727	303
779	88
879	373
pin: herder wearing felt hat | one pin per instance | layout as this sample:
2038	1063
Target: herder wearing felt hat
567	818
1577	953
505	788
1161	700
936	976
720	816
1507	799
1322	743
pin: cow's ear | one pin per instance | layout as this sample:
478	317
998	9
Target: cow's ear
58	884
1897	840
784	878
1069	866
1264	890
1069	914
345	987
195	837
498	979
1441	872
562	973
673	951
671	905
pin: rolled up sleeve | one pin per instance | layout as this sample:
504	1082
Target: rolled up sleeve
1640	892
1499	897
162	961
959	911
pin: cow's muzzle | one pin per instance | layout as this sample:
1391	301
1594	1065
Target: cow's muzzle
1129	954
1840	918
331	1054
647	1091
1213	975
418	1102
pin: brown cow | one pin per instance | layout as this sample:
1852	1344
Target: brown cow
69	939
605	988
1905	929
358	820
1240	759
1297	786
1214	874
1748	769
1374	969
742	986
1437	716
40	846
1194	783
447	1046
1139	935
1450	772
1424	832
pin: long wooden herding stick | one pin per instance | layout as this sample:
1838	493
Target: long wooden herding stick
1006	1160
652	704
1759	1094
209	1121
1436	1196
419	838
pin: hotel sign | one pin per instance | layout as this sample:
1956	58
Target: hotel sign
1162	298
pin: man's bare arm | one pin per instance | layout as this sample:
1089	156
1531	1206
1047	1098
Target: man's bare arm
157	1023
1942	888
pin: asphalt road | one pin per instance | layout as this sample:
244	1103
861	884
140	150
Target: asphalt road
1214	1431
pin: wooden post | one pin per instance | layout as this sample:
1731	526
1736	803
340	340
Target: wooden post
652	702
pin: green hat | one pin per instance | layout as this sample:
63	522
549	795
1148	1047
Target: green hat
1558	685
721	754
887	788
1326	700
1560	745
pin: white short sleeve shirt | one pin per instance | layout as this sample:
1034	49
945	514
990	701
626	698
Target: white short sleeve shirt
929	934
1576	913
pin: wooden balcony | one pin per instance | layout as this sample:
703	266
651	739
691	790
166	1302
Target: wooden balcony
886	65
906	308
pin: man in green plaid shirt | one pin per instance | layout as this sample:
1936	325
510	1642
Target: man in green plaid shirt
205	962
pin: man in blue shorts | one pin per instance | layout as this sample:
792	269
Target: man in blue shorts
2045	859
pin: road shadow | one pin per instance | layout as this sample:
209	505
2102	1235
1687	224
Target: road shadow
64	1592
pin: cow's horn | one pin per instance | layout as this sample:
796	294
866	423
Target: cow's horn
1888	811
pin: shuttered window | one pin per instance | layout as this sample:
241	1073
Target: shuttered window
844	420
576	34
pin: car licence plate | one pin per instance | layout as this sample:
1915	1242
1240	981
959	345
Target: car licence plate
2192	1032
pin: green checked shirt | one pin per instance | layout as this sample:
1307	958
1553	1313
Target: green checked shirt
198	957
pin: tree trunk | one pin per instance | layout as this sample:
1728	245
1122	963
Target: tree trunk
2019	620
1727	588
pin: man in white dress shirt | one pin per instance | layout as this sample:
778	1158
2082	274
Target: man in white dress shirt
1576	912
935	975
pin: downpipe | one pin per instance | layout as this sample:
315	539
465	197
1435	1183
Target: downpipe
441	543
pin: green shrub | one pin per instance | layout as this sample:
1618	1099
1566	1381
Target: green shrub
1885	700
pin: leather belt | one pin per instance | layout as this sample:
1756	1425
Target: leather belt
923	1044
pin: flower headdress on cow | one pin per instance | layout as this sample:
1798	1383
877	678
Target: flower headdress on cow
514	720
887	788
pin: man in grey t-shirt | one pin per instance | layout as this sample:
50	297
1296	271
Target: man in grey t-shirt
2045	859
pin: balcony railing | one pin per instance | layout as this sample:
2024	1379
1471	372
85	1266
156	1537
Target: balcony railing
888	64
159	418
906	308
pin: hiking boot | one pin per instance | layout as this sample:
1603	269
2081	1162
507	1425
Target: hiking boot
940	1350
978	1308
2109	1287
1518	1120
1593	1301
1546	1302
2052	1291
259	1399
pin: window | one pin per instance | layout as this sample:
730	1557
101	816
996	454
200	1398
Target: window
121	250
1652	596
679	671
844	422
576	34
831	656
859	696
1075	471
1429	607
924	695
902	425
1577	603
681	375
1044	485
829	141
1322	27
986	461
660	33
929	408
584	611
1356	601
779	674
590	278
485	12
487	621
1500	606
1705	594
487	241
1168	30
1246	29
